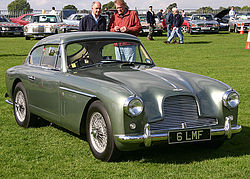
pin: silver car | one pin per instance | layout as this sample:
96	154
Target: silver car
203	23
43	25
239	20
73	22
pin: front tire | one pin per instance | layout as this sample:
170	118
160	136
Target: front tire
21	106
99	133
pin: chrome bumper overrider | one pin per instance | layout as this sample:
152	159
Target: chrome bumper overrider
147	137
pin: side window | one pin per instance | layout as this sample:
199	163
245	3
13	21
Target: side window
36	56
50	53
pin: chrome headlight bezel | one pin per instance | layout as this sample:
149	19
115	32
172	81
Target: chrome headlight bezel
133	106
231	99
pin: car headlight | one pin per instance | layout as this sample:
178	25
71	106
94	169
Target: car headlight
133	106
231	99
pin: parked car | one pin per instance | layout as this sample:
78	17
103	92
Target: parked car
43	25
23	19
239	20
73	22
185	25
203	23
223	18
82	82
145	28
8	28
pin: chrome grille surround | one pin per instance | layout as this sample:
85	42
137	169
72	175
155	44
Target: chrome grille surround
180	112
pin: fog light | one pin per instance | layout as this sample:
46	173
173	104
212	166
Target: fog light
132	126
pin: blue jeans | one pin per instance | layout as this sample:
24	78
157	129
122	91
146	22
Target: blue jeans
178	32
126	53
169	29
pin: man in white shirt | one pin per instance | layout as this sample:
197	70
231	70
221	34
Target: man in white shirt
232	12
53	11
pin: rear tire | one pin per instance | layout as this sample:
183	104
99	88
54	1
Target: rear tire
99	133
21	106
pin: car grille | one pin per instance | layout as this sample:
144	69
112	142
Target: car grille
205	25
180	111
38	29
16	28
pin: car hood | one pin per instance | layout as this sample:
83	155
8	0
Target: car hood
71	22
155	84
9	24
222	13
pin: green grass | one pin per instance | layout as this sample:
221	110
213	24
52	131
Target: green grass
48	151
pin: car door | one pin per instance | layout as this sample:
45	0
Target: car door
44	82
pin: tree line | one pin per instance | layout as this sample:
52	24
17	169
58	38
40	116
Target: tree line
23	5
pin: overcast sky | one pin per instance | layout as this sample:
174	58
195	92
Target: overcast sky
140	4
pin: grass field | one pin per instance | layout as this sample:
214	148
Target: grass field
48	151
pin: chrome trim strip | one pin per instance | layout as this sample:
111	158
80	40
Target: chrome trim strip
9	102
77	92
164	136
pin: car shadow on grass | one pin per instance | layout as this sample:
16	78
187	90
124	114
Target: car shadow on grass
8	55
200	42
177	153
192	152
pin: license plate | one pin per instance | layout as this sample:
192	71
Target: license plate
205	28
189	136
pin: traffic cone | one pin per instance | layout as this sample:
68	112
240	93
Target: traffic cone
248	39
241	29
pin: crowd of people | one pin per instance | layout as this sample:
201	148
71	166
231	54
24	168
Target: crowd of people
127	21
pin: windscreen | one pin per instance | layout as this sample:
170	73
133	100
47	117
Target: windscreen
87	53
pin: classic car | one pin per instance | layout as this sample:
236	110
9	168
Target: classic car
203	23
145	28
238	21
73	22
84	82
43	25
8	28
23	19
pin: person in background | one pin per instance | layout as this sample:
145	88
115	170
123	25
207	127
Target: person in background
232	12
177	22
169	21
94	21
53	11
160	15
125	21
151	23
43	11
183	14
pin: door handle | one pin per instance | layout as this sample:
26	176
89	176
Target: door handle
31	78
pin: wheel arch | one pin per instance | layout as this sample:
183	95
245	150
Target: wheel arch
84	117
17	80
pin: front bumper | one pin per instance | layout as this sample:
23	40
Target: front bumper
147	138
38	34
11	33
208	30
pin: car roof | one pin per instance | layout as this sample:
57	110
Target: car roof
68	37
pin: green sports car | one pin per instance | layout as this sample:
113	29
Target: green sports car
105	86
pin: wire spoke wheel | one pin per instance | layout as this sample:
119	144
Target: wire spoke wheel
20	106
98	132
